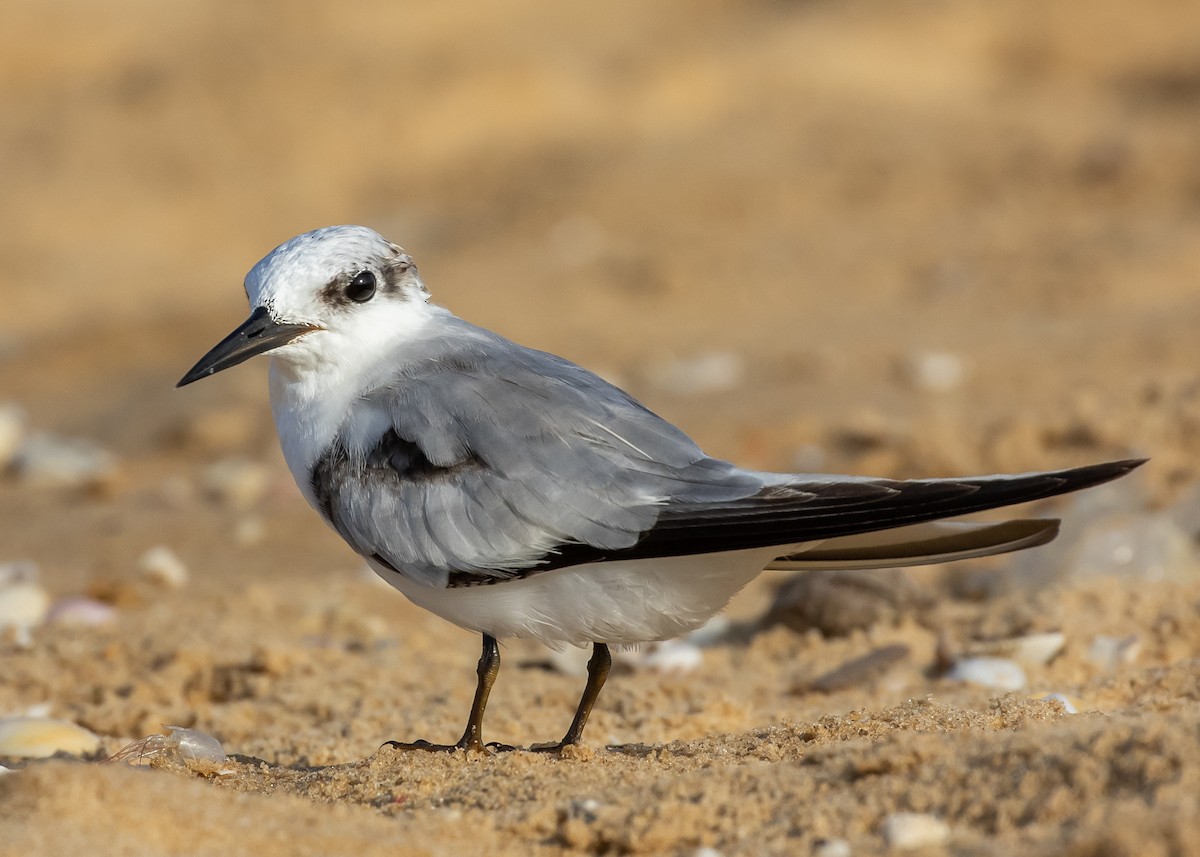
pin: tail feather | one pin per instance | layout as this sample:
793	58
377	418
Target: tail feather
921	544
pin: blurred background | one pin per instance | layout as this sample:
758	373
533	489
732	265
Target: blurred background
888	237
883	237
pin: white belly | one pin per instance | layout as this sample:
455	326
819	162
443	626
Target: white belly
615	602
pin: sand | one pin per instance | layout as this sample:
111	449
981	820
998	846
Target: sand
889	238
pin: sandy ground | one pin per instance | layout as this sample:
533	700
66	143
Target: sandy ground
777	223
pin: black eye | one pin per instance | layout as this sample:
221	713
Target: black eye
362	287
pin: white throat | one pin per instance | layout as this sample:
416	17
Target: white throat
319	386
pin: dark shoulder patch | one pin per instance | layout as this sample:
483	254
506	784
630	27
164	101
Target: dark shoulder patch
326	477
407	461
392	459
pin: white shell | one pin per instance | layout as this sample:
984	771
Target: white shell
23	606
675	656
669	656
1030	650
236	482
162	565
58	462
41	737
81	612
1140	545
906	831
1068	706
832	848
997	673
1111	652
933	371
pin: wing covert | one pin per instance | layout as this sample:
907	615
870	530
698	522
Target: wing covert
501	460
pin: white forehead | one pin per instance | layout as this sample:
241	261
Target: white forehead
307	262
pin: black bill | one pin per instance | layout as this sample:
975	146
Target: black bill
259	333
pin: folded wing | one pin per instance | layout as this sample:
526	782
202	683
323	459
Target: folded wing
498	461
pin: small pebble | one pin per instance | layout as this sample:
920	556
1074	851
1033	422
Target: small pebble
1068	706
831	848
933	371
50	461
23	602
858	671
12	434
236	482
1030	650
42	737
570	660
997	673
585	808
711	632
669	656
249	532
1037	649
907	831
81	612
18	571
162	565
838	603
1108	653
1142	546
675	656
710	372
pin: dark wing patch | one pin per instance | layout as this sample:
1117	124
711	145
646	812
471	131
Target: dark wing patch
812	511
408	462
393	458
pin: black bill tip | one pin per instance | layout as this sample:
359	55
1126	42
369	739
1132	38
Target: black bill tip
257	335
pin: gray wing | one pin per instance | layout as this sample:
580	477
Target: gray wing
498	461
499	458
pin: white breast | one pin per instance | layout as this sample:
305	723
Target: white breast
319	385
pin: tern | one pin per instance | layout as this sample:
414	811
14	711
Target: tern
517	494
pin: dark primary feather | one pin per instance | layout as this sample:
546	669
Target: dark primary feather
831	510
502	461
